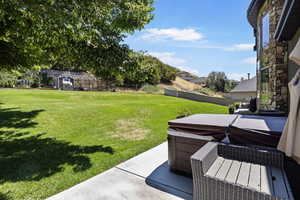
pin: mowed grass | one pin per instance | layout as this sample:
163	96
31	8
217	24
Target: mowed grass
52	140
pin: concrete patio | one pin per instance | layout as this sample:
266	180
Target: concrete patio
145	176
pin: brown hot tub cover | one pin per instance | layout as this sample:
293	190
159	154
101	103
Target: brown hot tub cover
203	124
256	130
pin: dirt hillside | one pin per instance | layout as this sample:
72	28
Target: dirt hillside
181	84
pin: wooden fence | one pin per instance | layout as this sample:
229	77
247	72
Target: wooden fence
198	97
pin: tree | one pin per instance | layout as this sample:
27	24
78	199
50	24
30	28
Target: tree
149	70
230	85
217	81
75	34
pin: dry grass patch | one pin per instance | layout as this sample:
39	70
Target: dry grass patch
129	129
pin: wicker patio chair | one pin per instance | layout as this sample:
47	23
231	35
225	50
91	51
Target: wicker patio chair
228	172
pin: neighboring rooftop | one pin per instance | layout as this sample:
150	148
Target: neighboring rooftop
246	86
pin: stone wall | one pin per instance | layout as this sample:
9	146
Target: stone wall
274	57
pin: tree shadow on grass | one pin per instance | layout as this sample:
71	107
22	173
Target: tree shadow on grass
14	118
31	158
4	196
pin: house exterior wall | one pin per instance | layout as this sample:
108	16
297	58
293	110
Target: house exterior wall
272	64
242	96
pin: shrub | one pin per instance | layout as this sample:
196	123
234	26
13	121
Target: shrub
184	113
8	79
231	108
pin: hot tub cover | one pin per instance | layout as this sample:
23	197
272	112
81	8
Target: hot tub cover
257	130
266	124
204	122
241	129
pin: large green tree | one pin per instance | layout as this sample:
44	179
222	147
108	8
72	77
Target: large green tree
149	70
216	81
81	34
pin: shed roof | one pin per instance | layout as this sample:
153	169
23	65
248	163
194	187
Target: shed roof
246	86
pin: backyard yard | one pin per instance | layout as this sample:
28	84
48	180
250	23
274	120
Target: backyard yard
52	140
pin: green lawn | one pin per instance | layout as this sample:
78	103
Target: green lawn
52	140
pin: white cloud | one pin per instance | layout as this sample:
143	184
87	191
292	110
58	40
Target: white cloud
250	60
240	47
189	34
169	58
204	44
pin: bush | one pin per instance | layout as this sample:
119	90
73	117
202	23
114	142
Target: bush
150	88
8	79
32	77
184	113
231	108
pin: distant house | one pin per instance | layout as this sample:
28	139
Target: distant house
67	80
245	90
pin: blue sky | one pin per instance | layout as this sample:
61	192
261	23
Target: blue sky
200	36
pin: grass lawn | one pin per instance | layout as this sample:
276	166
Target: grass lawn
52	140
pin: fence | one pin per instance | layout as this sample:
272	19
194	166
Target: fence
198	97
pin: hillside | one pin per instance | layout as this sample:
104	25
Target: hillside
190	77
181	84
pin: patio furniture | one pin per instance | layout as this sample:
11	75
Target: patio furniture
187	135
228	172
181	146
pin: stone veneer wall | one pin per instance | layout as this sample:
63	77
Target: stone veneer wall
275	57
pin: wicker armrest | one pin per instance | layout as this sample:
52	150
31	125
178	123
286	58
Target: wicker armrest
262	156
204	158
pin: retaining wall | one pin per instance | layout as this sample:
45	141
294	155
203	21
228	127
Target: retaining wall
198	97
